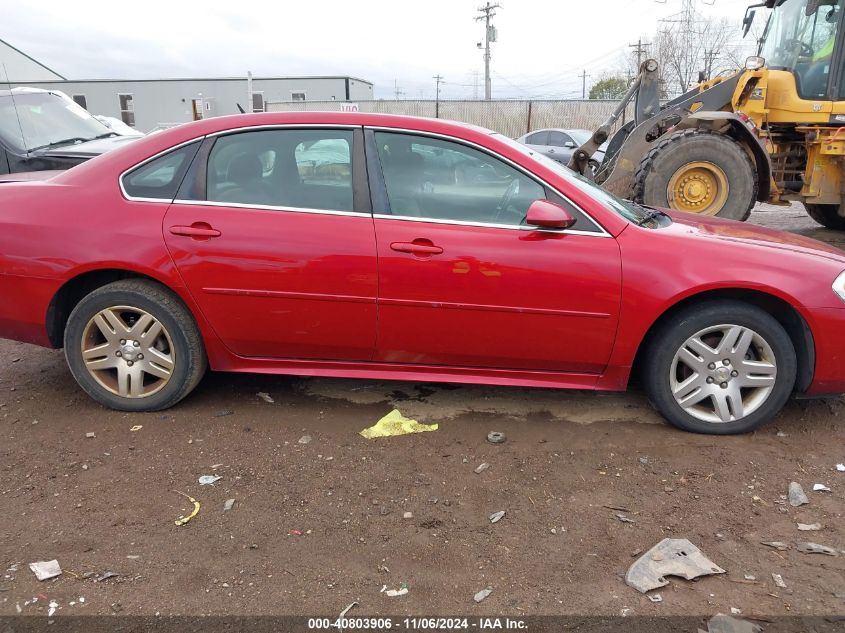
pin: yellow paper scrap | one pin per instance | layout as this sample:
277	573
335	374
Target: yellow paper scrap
394	424
184	519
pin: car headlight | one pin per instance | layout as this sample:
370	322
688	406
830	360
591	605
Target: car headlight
839	285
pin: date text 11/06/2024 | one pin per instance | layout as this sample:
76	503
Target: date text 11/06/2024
418	624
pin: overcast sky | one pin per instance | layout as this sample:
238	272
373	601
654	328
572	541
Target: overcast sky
543	44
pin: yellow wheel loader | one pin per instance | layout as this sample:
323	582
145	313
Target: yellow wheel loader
773	132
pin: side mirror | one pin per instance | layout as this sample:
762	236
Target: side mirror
550	215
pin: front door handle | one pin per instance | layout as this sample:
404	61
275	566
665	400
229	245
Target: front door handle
197	230
417	247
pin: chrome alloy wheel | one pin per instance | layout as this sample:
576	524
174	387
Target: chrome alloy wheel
723	373
128	351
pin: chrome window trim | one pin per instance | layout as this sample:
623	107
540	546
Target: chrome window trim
269	207
602	232
215	134
490	225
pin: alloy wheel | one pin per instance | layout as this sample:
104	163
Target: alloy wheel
128	351
723	373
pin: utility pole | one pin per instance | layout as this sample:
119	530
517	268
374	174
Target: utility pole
487	13
709	57
583	77
396	92
437	79
641	50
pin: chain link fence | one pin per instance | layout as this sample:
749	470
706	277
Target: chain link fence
509	117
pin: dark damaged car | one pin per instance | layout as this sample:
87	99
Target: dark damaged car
45	130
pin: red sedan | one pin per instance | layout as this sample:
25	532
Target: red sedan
367	246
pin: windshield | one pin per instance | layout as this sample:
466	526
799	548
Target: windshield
800	33
629	210
31	121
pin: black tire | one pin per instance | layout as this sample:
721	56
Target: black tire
657	167
671	335
827	215
189	364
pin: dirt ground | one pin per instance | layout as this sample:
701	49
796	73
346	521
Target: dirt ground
320	524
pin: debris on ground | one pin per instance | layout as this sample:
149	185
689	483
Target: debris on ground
136	428
265	397
106	575
91	435
184	519
778	545
393	593
481	595
797	497
840	468
223	413
497	516
820	488
52	607
207	480
656	597
778	579
395	424
496	437
228	505
346	610
305	439
46	569
670	557
809	527
815	548
481	468
408	515
622	518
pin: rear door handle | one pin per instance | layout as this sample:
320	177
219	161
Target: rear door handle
196	230
417	247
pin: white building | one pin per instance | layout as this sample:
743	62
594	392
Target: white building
148	103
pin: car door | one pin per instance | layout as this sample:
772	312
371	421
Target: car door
561	146
276	244
463	282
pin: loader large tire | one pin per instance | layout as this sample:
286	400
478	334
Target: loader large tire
827	215
698	171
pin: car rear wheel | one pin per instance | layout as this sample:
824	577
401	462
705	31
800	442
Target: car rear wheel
722	367
133	346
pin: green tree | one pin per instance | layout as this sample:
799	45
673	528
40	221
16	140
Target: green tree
609	88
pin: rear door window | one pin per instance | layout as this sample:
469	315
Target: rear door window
306	169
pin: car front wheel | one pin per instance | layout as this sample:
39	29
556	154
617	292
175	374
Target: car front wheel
721	367
133	346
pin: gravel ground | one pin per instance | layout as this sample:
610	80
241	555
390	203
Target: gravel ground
319	524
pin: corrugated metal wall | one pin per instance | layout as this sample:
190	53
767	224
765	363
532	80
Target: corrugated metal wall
512	118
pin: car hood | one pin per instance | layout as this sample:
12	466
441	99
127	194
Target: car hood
745	233
88	149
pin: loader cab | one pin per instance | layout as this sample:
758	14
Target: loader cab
804	37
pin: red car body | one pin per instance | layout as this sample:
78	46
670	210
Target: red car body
328	294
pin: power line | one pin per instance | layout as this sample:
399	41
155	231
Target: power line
487	13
